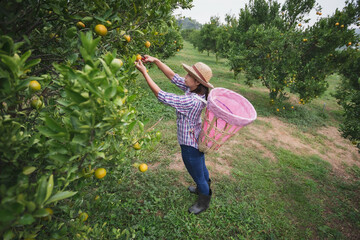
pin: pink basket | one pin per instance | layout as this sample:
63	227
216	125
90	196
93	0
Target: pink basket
226	113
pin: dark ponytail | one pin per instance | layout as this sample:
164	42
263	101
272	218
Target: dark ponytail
201	89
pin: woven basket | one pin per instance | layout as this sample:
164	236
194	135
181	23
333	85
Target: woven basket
226	113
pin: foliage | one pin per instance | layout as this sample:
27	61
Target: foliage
52	36
269	43
348	94
82	117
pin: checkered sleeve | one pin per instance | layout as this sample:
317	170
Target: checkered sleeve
180	82
181	103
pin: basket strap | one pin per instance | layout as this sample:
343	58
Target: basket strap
199	98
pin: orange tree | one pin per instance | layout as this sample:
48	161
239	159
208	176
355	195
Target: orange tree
208	34
271	45
348	94
66	98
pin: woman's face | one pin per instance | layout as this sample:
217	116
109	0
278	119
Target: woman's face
191	82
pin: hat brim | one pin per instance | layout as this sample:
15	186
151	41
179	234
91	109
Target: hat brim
191	71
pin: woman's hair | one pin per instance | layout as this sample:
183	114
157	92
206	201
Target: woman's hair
201	89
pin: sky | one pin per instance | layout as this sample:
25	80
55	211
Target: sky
204	9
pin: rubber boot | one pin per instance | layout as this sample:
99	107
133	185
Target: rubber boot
193	189
201	204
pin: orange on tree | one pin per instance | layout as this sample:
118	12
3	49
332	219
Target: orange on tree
137	146
101	30
34	85
116	63
100	173
50	211
305	40
337	24
138	57
127	38
342	26
158	134
143	167
80	25
147	44
36	103
349	44
83	216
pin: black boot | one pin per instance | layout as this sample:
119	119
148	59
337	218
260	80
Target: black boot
201	204
193	189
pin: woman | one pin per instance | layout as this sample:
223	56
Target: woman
188	110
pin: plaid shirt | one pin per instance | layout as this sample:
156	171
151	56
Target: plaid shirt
188	112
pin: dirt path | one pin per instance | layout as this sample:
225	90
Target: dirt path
266	132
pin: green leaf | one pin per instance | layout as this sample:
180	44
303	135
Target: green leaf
60	196
76	97
32	63
50	187
41	191
87	19
131	127
139	32
40	213
9	235
28	170
53	125
110	92
10	62
25	56
49	133
26	219
106	67
141	126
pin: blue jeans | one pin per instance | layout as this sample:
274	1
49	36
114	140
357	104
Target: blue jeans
194	161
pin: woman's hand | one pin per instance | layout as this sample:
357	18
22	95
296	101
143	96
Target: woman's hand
140	66
148	58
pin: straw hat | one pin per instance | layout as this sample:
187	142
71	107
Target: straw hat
201	72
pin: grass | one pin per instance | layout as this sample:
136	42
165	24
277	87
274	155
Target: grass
295	196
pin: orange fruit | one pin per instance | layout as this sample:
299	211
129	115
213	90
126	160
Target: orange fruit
34	85
127	37
80	25
147	44
138	57
337	24
116	63
101	30
100	173
50	211
36	103
137	146
143	167
83	216
342	26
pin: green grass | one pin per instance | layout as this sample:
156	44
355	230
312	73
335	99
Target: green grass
293	197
